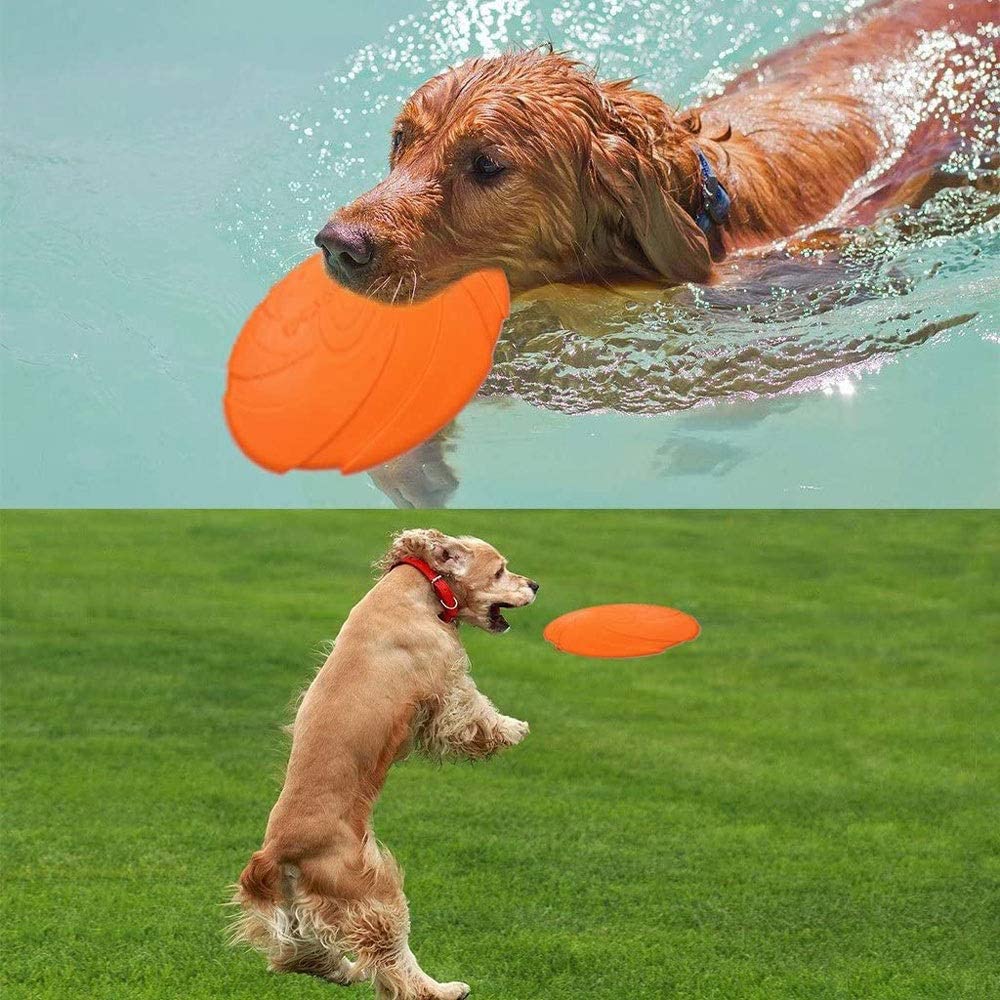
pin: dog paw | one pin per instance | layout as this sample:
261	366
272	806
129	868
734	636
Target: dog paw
514	730
454	991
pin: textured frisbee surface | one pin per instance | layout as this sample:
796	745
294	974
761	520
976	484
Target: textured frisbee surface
621	630
322	378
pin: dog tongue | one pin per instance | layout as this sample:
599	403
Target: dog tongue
322	378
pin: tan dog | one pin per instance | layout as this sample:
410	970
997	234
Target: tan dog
320	889
529	163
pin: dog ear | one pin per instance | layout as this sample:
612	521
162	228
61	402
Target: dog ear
649	233
440	551
450	556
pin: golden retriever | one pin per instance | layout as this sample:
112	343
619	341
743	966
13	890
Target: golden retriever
527	162
320	896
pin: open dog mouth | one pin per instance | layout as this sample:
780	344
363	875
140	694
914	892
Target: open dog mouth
497	621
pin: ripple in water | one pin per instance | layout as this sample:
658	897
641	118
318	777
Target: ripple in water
784	321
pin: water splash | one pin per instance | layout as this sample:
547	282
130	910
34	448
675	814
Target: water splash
335	145
796	320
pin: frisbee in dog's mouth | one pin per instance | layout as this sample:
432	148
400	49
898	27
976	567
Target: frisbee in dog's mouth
322	378
497	621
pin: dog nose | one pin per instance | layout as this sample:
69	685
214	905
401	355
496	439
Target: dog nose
349	246
534	586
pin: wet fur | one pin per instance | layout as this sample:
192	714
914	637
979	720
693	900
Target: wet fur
601	179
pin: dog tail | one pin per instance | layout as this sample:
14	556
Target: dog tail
260	881
260	919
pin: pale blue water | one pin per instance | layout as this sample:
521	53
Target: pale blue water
161	167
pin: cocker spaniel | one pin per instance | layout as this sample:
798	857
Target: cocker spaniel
321	896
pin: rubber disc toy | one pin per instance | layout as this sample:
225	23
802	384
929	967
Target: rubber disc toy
322	378
621	630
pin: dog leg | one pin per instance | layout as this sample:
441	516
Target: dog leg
466	724
403	979
378	930
311	958
357	906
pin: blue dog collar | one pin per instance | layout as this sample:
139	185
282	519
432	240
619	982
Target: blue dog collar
715	200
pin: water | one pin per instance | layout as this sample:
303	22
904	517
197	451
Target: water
162	168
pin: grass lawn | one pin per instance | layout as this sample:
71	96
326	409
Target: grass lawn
802	803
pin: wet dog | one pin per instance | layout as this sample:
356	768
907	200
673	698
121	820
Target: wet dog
320	896
529	163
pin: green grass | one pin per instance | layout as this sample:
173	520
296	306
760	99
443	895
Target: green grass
803	803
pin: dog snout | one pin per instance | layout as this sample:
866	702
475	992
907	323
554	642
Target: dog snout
533	586
346	247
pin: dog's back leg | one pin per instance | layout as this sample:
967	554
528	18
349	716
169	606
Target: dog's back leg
365	912
276	921
311	957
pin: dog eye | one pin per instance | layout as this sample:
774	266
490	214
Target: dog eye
499	573
397	140
485	166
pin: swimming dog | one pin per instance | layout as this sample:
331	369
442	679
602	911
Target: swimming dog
529	163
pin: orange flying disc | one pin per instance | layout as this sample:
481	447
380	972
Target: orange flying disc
621	630
323	378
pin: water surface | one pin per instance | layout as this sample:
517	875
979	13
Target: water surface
163	168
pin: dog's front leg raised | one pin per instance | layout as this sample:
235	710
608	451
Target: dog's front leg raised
465	723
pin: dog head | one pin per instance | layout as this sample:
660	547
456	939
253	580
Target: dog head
478	575
523	162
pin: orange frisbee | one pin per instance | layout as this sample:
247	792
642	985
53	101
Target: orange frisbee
621	630
323	378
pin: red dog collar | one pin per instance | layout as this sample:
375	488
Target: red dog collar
445	595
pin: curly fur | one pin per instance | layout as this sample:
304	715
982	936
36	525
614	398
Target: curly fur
464	723
321	896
